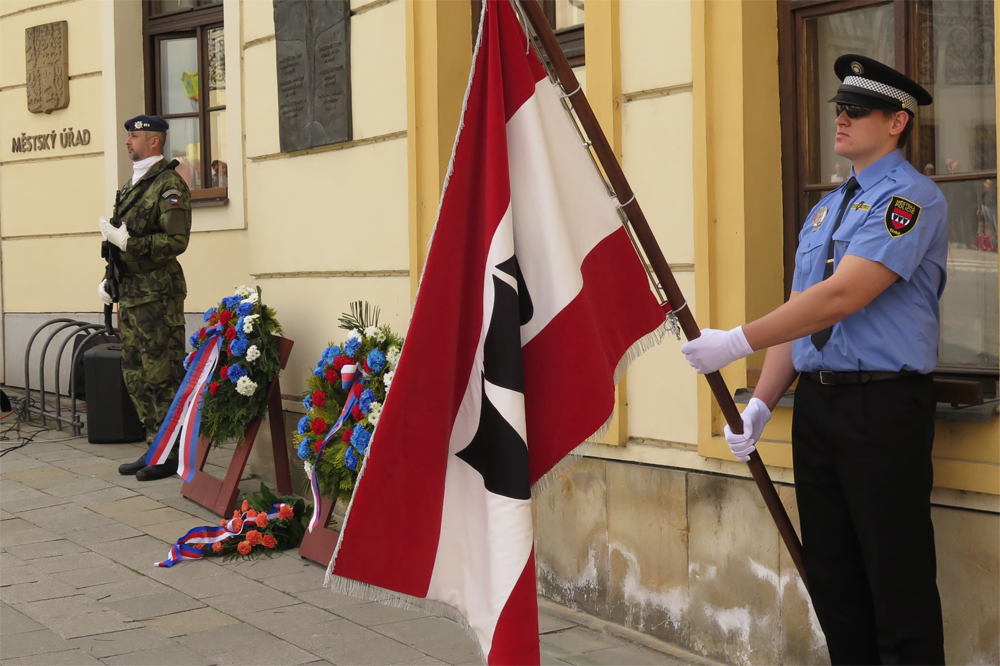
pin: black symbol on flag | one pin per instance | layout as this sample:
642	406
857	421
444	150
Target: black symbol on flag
497	450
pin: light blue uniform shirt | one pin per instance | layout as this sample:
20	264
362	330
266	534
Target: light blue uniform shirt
898	218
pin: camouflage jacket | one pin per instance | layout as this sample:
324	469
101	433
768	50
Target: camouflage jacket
158	219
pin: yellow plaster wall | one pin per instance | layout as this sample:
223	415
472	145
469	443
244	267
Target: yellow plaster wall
378	69
656	156
258	19
84	36
655	44
261	100
52	274
85	111
437	72
31	206
349	212
213	264
50	192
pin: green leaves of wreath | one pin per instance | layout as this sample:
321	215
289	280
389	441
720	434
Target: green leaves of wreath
248	362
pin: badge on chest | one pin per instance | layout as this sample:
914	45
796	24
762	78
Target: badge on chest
819	217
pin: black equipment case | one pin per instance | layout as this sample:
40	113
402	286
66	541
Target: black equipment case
111	415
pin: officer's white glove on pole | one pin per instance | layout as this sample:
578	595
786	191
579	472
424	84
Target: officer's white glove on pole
716	349
114	235
102	291
755	417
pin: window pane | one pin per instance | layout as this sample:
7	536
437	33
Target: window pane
954	61
179	75
216	46
969	325
166	6
868	32
219	155
568	13
184	145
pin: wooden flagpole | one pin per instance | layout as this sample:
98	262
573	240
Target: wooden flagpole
606	157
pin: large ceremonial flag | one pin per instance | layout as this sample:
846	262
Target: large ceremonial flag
531	305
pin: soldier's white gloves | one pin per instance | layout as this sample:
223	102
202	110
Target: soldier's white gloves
114	235
102	291
716	349
755	417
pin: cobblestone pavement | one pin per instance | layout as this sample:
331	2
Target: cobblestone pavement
77	585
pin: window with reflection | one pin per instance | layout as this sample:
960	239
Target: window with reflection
186	84
948	47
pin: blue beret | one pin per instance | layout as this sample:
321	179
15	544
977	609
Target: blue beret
148	123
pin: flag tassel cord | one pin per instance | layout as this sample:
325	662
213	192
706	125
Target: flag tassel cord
645	243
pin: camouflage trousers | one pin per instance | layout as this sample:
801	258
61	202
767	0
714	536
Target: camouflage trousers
153	358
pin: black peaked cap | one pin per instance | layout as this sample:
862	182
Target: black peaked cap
869	83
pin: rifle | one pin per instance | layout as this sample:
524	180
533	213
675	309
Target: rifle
115	269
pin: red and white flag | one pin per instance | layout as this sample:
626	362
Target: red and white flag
532	303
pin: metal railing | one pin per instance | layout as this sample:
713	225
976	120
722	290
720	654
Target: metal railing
76	326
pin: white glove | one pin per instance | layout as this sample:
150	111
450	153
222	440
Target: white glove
755	417
716	349
115	235
102	291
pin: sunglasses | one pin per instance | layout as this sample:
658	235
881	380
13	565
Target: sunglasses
853	112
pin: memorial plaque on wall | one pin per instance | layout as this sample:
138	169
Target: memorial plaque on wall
47	66
313	40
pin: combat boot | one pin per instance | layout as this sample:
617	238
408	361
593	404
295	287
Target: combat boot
129	469
154	472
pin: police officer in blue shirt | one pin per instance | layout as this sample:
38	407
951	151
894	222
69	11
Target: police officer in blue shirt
860	330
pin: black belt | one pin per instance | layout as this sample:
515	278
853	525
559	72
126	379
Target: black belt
831	378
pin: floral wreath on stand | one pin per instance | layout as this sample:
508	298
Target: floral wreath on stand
332	441
248	361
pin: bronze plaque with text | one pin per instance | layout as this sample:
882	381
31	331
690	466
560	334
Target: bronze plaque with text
47	66
314	72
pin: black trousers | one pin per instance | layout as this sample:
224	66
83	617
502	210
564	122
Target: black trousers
863	479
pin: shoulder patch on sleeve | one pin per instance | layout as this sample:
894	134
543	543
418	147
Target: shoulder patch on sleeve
171	193
901	216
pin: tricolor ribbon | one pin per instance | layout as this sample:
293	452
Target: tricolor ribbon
352	399
184	416
347	374
206	536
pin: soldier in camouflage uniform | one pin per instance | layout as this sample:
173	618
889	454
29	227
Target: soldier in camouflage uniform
155	214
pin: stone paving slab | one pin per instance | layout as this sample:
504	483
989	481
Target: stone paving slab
78	585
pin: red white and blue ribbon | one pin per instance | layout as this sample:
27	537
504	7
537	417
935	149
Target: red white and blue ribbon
191	546
347	374
352	400
183	419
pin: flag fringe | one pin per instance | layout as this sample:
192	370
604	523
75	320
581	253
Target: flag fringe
638	348
369	592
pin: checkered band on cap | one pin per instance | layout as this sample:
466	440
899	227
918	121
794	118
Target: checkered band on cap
908	101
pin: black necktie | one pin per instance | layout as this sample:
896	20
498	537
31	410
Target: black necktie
820	338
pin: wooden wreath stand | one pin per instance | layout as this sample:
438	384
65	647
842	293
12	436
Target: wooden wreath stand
219	495
319	544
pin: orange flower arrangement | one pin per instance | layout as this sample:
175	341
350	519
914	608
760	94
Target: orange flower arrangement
267	523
